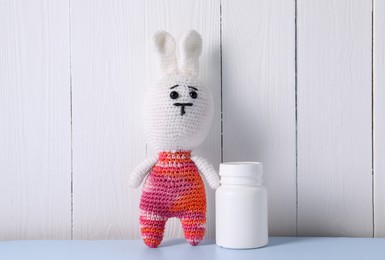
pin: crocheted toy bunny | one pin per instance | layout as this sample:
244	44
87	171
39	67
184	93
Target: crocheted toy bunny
178	111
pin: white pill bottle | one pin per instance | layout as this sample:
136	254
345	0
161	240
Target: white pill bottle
241	206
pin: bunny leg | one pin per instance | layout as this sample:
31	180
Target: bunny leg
194	226
152	228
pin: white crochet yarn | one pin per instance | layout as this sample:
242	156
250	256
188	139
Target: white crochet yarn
141	171
182	122
169	126
207	170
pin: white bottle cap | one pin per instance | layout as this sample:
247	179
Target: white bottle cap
250	170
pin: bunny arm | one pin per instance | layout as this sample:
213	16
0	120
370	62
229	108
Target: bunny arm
141	171
207	170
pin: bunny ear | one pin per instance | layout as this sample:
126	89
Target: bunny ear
191	49
165	46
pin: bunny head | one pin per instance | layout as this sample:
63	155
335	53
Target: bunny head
178	109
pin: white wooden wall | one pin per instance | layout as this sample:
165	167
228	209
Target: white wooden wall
298	85
378	117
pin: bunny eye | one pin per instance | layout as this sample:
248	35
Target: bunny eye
174	95
193	94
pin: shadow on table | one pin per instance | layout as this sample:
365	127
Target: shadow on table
178	241
273	241
172	242
278	241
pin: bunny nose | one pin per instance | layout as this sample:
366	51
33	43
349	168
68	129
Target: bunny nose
182	105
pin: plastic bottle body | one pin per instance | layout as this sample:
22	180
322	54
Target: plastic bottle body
241	213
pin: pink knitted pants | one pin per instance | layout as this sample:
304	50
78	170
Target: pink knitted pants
174	188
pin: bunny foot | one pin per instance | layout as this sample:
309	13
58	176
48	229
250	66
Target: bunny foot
194	226
152	229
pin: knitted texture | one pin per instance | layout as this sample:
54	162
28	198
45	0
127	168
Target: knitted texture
137	175
177	114
165	45
174	188
207	170
165	127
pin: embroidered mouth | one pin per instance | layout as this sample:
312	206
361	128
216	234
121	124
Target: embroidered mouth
182	106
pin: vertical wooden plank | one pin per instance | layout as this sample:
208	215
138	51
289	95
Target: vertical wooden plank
111	46
177	17
334	118
35	128
259	98
108	58
379	118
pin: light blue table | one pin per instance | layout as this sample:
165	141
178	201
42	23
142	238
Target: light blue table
279	248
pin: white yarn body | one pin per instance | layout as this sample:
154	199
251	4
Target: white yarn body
165	127
179	120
